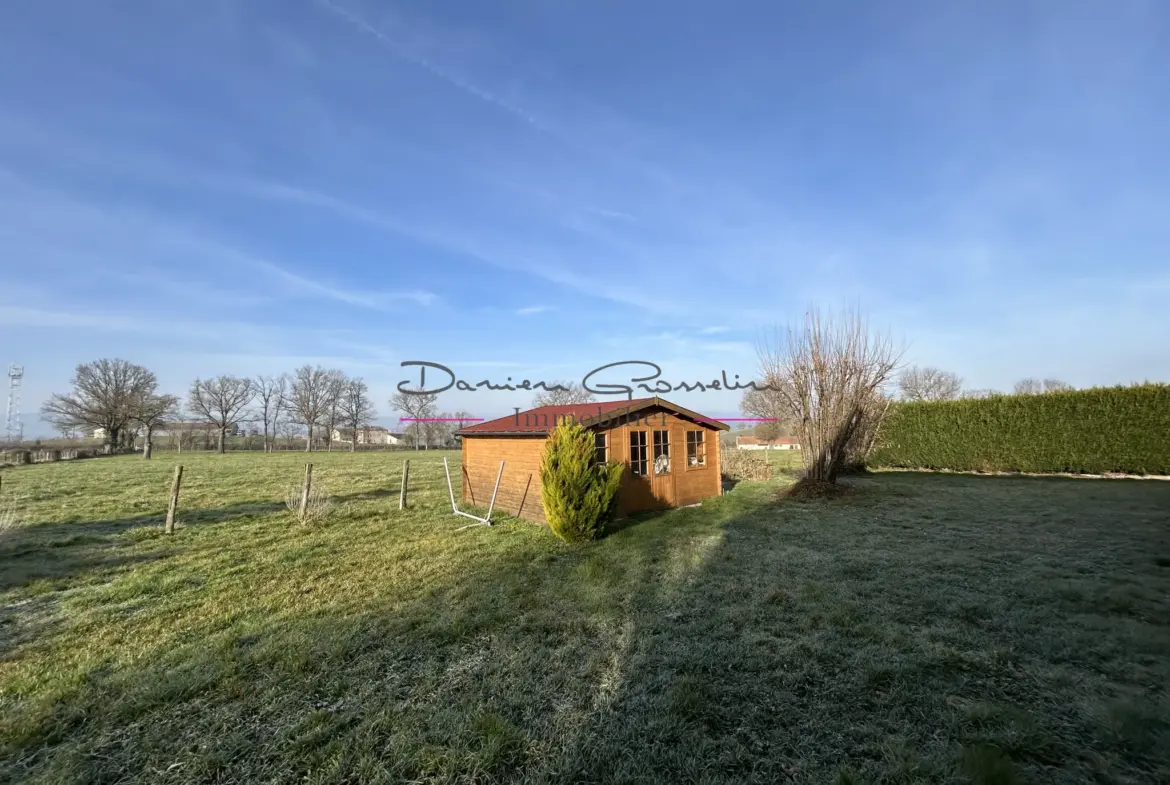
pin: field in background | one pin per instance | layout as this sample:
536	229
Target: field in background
782	460
925	628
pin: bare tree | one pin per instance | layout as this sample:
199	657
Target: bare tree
220	401
356	409
441	431
309	399
929	384
769	405
416	407
270	392
153	412
289	429
103	396
1037	387
335	389
980	393
1028	387
572	393
768	431
830	371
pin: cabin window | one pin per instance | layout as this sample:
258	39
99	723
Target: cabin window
662	452
599	447
638	453
696	449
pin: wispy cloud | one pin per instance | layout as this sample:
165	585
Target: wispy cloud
714	329
401	50
533	309
106	239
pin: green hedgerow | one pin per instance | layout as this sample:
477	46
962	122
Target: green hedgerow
579	494
1093	431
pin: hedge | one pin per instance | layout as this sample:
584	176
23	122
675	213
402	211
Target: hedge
1094	431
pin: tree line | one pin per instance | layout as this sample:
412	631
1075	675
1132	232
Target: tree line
122	400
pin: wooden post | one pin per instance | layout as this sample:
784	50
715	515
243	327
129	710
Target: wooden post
170	529
306	487
405	481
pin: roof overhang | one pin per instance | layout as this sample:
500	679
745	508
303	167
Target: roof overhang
613	418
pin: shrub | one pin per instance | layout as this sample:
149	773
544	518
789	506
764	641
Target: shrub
744	465
318	508
579	494
1094	431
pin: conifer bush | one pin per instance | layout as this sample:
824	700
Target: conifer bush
579	494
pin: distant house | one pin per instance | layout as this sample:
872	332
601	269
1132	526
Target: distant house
372	434
752	443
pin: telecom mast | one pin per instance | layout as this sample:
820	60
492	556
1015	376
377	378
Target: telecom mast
13	428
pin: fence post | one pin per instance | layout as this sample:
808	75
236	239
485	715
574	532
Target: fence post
170	526
405	481
306	487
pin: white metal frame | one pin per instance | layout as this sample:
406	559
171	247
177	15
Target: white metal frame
485	521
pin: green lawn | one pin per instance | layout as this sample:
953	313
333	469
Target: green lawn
926	628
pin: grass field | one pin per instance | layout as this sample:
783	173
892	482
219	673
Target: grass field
925	628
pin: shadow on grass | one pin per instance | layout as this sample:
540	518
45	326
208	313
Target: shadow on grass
61	551
741	642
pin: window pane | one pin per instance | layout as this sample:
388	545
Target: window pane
696	450
662	452
599	447
638	453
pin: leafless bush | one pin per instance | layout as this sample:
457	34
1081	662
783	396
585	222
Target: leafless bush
743	465
1037	387
929	384
829	372
315	509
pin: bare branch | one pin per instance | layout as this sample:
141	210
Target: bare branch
416	407
829	373
270	393
929	384
572	392
356	409
220	401
105	394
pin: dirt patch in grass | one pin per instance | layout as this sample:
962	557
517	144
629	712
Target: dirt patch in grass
806	489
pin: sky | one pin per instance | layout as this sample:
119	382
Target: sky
534	188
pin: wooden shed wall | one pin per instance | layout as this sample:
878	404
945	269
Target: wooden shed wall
686	485
519	492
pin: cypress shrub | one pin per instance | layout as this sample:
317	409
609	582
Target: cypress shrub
1094	431
579	494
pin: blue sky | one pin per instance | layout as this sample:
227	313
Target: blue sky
533	188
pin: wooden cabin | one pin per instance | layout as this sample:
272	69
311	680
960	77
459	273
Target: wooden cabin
671	454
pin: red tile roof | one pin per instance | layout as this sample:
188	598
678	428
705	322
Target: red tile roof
542	419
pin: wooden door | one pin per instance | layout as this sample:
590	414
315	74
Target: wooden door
662	468
638	490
